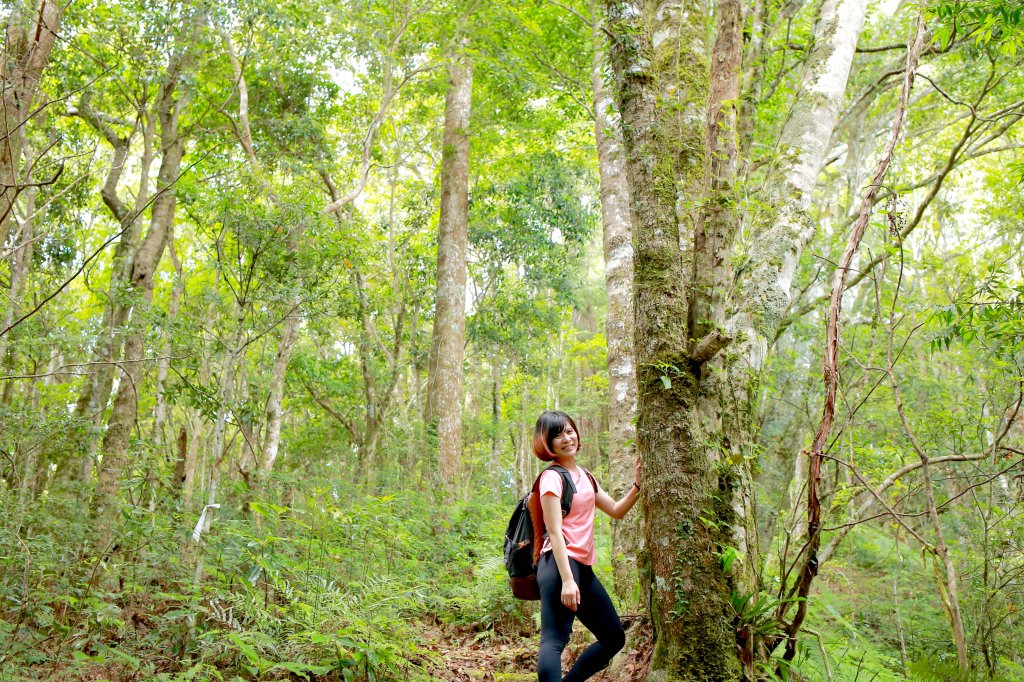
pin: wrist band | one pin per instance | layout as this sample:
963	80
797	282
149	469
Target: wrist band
636	485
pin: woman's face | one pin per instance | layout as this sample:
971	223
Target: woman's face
565	443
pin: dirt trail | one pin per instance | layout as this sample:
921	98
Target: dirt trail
461	655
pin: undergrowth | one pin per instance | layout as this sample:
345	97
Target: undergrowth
325	581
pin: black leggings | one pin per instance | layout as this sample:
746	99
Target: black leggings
595	611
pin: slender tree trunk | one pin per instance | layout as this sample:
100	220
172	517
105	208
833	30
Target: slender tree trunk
523	456
33	475
618	277
29	40
164	362
20	266
495	468
275	412
124	413
29	468
946	579
190	469
444	387
226	398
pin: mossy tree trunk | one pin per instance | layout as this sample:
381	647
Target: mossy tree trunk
695	407
662	54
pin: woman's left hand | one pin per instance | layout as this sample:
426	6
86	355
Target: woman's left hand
637	472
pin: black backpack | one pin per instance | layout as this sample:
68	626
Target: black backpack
522	572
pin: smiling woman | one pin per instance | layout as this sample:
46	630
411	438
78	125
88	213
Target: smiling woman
565	573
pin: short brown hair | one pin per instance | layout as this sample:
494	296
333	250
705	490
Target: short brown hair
549	424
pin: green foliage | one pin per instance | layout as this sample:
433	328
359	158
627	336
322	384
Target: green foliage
983	21
335	582
755	613
334	563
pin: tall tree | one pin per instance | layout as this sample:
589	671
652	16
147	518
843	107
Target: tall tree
124	414
447	347
694	415
618	281
95	393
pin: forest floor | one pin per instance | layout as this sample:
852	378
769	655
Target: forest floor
465	655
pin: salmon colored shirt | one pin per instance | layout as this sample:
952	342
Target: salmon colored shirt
578	524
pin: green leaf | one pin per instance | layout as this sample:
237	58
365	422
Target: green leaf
301	669
249	651
666	381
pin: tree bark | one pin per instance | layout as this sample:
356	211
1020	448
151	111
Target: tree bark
20	263
618	278
447	348
717	221
28	43
124	413
164	361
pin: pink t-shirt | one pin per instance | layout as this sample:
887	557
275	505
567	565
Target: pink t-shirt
578	524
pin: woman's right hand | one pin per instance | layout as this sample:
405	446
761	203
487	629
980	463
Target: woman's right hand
570	594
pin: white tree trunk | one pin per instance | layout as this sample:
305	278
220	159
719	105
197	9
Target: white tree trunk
274	412
785	228
618	277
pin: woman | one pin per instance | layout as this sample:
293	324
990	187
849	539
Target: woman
565	574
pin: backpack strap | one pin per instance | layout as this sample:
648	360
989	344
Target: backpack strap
568	487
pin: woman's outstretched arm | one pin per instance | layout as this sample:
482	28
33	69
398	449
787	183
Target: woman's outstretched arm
618	509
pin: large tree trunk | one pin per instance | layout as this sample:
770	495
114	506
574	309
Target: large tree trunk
618	278
662	54
29	40
695	410
124	413
447	348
